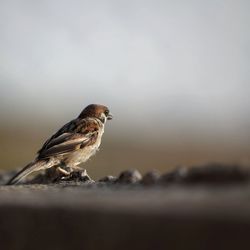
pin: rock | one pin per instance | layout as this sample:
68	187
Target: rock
108	179
52	175
129	177
208	174
76	176
150	178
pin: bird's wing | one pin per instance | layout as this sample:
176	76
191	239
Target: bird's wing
67	128
72	136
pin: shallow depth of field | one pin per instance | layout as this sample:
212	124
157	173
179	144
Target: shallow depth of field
175	75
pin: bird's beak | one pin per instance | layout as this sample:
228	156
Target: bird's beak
110	116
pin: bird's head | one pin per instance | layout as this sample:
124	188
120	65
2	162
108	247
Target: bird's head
97	111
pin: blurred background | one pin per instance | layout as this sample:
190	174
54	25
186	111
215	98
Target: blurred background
175	74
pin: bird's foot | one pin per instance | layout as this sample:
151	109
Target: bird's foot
62	171
78	175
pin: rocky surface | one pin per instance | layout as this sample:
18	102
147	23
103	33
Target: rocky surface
210	174
205	207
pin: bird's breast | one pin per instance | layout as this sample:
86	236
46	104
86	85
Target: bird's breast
83	154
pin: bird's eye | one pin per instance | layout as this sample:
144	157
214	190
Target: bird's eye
106	112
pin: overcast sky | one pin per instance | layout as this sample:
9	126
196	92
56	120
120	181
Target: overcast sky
186	63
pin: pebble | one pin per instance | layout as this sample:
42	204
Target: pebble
150	178
129	177
108	179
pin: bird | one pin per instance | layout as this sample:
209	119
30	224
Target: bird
71	145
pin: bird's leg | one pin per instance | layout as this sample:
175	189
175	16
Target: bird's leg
62	171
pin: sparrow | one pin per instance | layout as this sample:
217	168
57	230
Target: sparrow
72	145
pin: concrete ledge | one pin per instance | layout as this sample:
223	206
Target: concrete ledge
78	217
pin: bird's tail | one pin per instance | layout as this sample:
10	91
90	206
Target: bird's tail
31	167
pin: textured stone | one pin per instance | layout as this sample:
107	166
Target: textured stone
214	174
150	178
129	177
108	179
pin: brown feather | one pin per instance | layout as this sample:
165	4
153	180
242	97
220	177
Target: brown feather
67	139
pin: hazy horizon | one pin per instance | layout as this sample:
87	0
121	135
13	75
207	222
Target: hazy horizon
174	73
